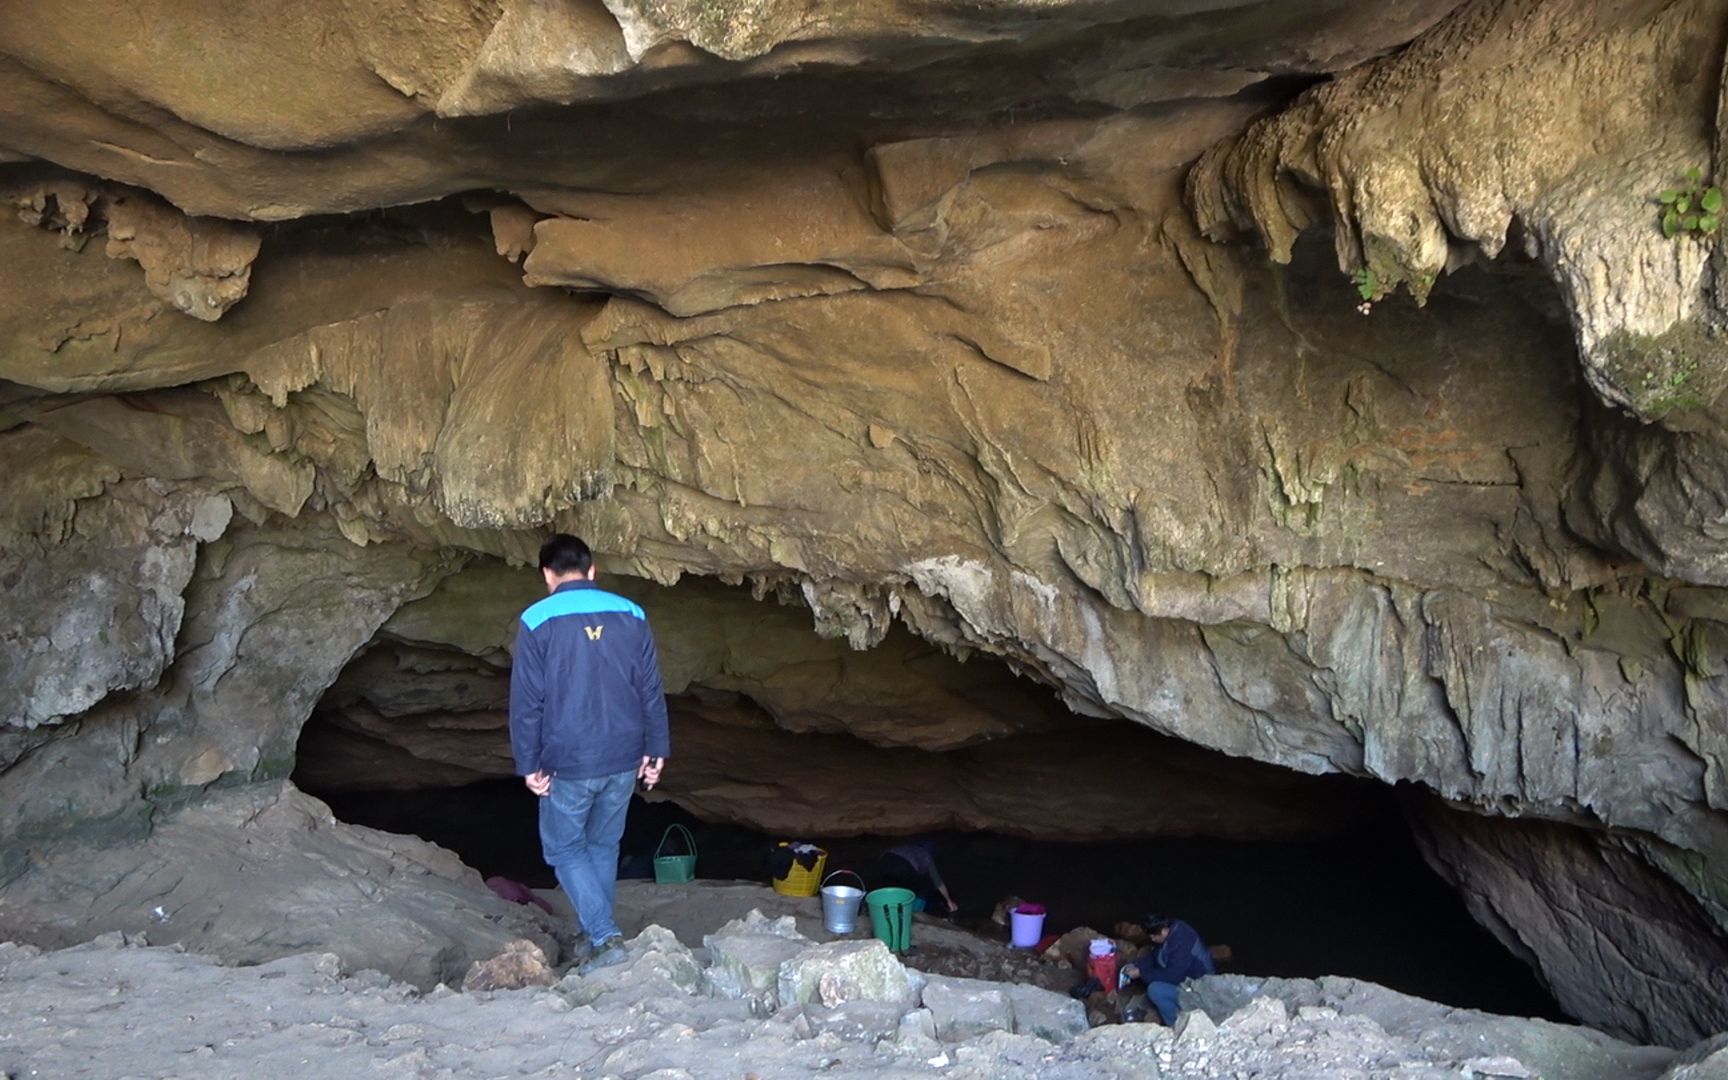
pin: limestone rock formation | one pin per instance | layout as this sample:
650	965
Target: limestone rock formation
1243	1006
270	614
744	958
201	266
1491	130
1537	885
259	872
344	106
913	314
836	972
1460	146
108	585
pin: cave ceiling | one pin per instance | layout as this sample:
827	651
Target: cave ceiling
1309	382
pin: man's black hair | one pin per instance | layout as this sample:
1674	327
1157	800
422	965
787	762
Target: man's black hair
565	554
1155	922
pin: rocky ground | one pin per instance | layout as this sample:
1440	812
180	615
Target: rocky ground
765	995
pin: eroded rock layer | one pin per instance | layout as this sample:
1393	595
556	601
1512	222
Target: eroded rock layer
914	315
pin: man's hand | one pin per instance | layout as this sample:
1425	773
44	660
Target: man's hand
1132	971
538	782
649	771
948	897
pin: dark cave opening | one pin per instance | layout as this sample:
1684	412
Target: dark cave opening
1361	904
779	733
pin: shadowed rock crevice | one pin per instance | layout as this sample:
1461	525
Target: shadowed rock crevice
1538	885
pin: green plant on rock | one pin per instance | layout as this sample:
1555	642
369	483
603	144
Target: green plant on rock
1693	207
1375	285
1367	284
1665	391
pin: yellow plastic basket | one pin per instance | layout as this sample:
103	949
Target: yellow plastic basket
799	881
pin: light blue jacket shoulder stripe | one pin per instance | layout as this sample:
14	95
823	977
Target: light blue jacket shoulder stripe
578	602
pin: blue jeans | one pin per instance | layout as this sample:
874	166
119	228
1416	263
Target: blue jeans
581	822
1162	995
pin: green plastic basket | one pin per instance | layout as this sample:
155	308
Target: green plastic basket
675	869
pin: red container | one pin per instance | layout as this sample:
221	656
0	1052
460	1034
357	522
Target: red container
1103	968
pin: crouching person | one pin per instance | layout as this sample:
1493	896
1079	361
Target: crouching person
1176	955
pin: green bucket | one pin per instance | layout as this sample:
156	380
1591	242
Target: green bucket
891	916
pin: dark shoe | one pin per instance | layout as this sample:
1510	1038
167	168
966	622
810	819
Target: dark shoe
1134	1016
609	953
581	951
1082	991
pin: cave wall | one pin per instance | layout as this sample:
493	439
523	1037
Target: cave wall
1460	148
1588	914
918	319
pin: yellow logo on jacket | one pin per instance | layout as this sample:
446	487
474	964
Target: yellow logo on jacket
594	632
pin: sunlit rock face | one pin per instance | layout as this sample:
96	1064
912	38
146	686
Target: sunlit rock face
952	324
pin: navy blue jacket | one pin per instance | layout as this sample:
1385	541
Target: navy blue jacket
1182	956
585	693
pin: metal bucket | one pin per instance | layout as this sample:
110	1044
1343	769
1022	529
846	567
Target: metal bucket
840	904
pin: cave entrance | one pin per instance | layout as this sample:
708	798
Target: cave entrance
779	733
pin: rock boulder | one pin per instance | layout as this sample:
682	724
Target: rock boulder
521	964
841	971
746	955
263	871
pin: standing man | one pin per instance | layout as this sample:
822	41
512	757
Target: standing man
587	719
